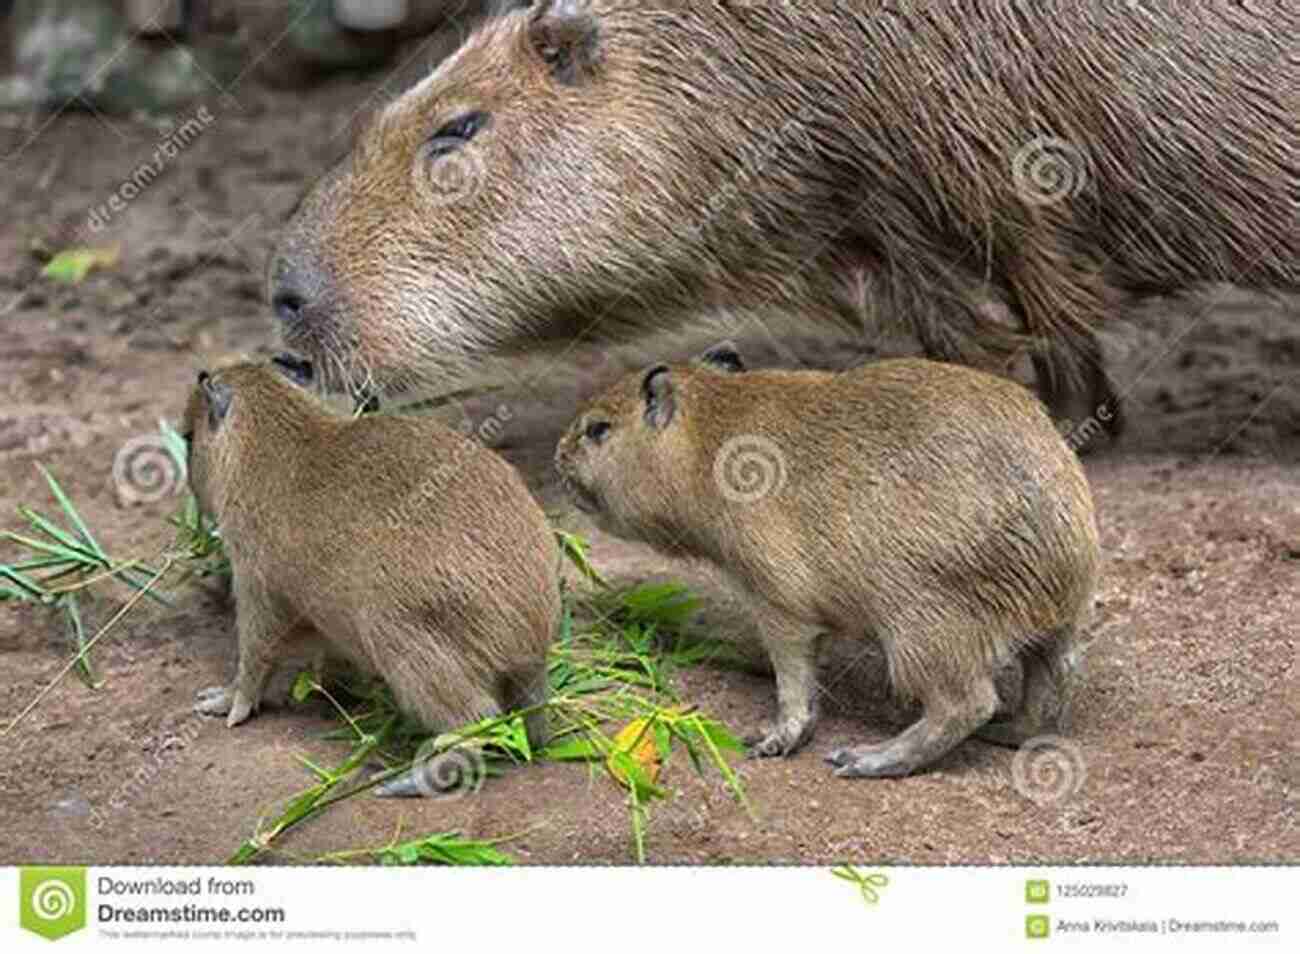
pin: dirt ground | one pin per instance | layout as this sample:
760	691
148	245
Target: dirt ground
1183	743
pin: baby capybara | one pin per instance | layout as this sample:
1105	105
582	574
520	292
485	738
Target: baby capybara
928	506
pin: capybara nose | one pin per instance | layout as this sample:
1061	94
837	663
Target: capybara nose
299	295
288	305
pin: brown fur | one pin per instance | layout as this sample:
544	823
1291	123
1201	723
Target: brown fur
414	552
931	506
646	163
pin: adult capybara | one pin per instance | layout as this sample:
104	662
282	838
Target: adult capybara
406	548
932	507
589	168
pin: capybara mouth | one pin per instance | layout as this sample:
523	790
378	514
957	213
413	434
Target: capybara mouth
585	500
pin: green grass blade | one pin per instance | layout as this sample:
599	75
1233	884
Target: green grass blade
24	584
57	533
64	553
71	511
43	563
78	633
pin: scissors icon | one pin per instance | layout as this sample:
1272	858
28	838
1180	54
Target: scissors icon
868	884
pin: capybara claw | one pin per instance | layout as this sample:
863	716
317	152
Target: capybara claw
867	762
776	742
240	710
406	785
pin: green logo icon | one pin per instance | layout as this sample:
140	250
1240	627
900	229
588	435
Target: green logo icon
1037	892
869	884
1037	927
52	901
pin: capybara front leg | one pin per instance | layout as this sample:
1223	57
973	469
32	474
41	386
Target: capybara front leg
794	657
262	631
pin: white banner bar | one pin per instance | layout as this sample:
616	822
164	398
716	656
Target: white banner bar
629	910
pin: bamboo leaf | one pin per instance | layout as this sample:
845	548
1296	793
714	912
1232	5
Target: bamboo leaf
71	511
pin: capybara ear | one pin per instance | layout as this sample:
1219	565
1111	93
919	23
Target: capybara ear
298	370
218	396
660	402
724	357
564	34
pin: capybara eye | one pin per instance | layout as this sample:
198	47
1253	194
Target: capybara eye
456	133
597	431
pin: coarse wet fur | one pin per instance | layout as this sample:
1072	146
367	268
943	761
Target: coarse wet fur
412	551
930	506
603	168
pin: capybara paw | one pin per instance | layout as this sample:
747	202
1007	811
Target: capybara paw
240	709
213	701
867	761
777	740
407	785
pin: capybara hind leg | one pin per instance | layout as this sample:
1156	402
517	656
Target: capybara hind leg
528	690
1042	707
1009	680
794	653
944	724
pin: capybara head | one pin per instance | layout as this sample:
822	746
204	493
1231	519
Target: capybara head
629	453
212	427
586	167
442	197
452	233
